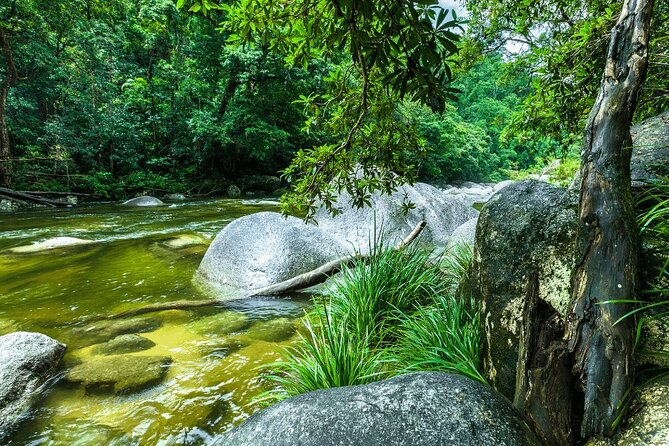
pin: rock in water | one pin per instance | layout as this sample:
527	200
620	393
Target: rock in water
27	360
355	227
265	248
145	201
102	331
274	330
219	324
127	343
119	374
419	409
525	227
52	243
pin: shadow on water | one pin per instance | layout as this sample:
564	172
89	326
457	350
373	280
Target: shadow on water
201	373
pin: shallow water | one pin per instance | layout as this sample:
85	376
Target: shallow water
140	256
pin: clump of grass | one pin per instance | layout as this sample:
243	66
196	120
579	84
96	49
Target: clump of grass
370	293
444	336
455	263
328	355
391	313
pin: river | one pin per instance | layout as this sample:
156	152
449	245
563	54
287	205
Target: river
139	256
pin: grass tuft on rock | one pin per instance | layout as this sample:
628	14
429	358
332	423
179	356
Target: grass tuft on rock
389	314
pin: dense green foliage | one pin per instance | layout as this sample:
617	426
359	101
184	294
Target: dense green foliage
128	96
563	44
131	97
391	314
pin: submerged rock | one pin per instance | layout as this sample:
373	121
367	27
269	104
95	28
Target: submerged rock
27	361
7	326
222	347
52	243
184	241
273	330
144	201
419	409
86	433
103	331
127	343
119	374
220	324
526	227
265	248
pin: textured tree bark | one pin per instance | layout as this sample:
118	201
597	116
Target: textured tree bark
544	380
6	171
602	348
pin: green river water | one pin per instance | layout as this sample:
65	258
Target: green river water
140	256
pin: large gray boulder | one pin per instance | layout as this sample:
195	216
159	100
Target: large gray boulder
650	155
356	227
265	248
650	152
465	233
27	361
144	201
419	409
526	227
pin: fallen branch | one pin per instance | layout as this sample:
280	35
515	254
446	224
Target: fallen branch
306	280
48	192
31	198
322	273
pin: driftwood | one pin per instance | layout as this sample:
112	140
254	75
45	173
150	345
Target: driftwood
64	194
322	273
31	198
306	280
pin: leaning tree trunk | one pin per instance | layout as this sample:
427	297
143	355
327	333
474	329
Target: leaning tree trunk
601	344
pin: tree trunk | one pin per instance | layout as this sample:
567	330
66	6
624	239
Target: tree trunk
602	348
5	152
544	381
7	83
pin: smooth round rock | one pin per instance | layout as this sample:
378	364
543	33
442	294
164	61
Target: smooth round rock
418	409
27	360
144	201
266	248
